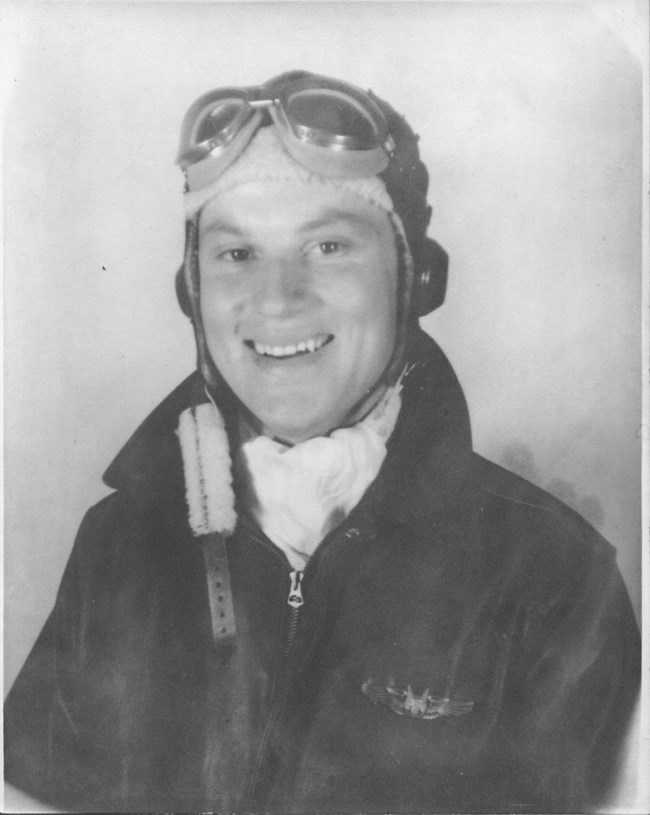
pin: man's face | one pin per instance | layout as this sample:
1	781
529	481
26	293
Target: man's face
298	301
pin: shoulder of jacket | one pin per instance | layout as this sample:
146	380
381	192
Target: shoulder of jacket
126	525
528	517
116	509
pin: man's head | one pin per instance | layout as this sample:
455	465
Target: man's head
306	207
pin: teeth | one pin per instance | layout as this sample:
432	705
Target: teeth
302	347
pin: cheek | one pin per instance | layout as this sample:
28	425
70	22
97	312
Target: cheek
368	292
221	307
373	306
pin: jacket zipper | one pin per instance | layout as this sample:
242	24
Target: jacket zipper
295	600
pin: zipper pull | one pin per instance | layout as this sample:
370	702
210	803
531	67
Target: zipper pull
295	599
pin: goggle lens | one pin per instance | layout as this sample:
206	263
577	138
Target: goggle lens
220	119
327	117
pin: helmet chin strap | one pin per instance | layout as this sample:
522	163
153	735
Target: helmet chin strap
216	384
191	273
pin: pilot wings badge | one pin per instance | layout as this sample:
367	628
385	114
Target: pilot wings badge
407	703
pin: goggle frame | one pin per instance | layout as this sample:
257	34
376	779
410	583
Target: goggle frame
320	150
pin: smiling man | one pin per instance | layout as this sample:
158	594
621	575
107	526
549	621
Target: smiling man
307	593
298	299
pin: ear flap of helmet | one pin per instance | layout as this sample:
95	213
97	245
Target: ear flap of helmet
430	282
182	294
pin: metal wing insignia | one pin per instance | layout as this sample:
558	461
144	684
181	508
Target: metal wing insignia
445	707
376	693
416	706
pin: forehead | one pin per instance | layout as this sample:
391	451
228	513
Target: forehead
281	207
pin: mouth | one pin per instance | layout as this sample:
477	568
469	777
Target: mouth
302	348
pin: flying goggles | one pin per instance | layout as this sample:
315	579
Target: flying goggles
330	127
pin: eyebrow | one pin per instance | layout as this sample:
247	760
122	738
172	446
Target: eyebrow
222	226
329	216
332	215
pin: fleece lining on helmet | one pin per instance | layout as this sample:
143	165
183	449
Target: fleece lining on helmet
266	159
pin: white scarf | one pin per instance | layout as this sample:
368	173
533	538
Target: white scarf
300	492
304	491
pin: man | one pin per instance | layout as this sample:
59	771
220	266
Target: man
307	593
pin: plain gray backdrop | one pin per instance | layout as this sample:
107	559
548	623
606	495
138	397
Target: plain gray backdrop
530	117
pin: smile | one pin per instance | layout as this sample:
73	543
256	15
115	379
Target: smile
282	351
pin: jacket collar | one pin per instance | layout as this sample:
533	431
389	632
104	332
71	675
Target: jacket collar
426	475
150	460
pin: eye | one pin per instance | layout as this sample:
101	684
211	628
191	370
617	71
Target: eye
329	247
237	255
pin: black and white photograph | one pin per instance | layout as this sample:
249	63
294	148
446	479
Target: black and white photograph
325	407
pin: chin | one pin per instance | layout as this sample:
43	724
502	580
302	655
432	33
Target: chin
296	420
294	435
295	432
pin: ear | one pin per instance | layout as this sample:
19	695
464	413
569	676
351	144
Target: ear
181	292
430	285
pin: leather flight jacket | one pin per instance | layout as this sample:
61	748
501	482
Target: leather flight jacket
461	642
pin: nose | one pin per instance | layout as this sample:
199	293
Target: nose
282	288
